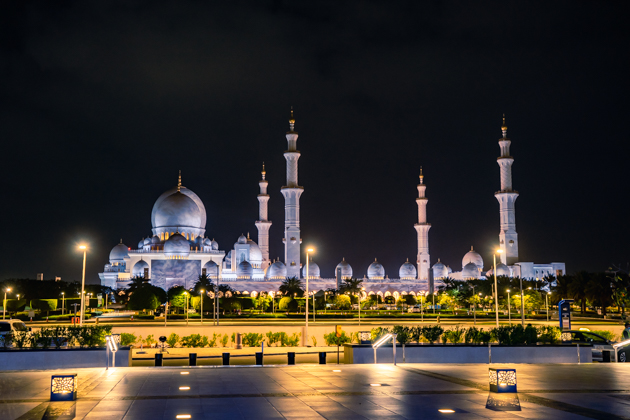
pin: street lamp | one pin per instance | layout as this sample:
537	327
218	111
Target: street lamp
186	294
308	257
84	249
547	304
63	302
509	308
522	304
201	292
496	290
360	296
4	305
474	305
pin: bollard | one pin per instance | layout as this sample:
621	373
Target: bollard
239	341
158	359
226	359
192	359
259	358
291	356
322	357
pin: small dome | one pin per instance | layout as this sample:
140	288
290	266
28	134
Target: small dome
138	268
255	254
119	253
376	270
346	269
207	242
313	270
141	244
407	271
503	270
473	257
212	269
155	240
470	271
147	241
244	269
440	271
176	247
277	270
241	240
215	245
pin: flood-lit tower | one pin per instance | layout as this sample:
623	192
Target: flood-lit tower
262	224
508	239
292	192
422	227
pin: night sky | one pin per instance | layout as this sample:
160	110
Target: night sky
101	103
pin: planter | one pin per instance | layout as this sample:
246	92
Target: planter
38	359
464	353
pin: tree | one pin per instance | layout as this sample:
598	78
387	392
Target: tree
577	288
291	287
204	283
143	299
352	286
176	296
342	301
599	290
137	282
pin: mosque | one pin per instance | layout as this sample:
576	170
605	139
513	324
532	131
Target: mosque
178	251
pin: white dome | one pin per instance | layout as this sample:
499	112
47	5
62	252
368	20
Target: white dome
215	245
503	270
147	241
119	253
155	240
473	257
177	211
346	269
255	254
212	269
440	271
407	271
176	247
376	270
241	240
141	244
138	268
313	270
277	270
207	242
470	271
244	269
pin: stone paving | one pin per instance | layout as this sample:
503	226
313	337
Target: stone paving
407	391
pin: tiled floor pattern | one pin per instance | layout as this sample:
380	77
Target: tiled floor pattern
409	391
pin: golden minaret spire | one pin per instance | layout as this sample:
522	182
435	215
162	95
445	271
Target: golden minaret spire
179	181
421	176
264	173
291	121
504	127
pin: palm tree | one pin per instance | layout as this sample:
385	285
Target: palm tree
204	283
351	285
137	283
291	286
577	288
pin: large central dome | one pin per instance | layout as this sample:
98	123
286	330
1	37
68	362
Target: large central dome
179	210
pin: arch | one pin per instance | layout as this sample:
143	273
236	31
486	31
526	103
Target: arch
387	293
396	295
371	293
412	293
254	294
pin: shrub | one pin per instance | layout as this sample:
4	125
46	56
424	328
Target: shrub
531	335
20	339
608	335
403	334
314	340
484	336
252	339
149	340
127	339
6	340
273	338
213	342
332	339
548	334
224	340
172	340
432	333
473	335
44	304
378	332
292	340
287	304
143	298
195	340
342	301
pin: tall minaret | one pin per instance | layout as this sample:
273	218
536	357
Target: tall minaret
292	192
422	227
262	224
508	239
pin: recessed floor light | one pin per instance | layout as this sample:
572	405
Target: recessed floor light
184	373
375	384
182	416
336	370
184	388
446	410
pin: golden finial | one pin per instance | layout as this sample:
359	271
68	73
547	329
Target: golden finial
291	121
421	176
247	235
179	181
504	126
263	171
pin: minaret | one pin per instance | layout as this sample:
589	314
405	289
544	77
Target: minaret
292	192
262	224
508	239
422	227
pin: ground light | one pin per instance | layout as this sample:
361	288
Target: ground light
184	388
336	370
446	410
375	384
184	373
502	380
63	387
183	416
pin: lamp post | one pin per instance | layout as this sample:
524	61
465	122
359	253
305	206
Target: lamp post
522	304
84	249
433	294
314	310
496	289
4	305
360	296
547	304
186	294
509	308
63	302
474	304
201	297
308	257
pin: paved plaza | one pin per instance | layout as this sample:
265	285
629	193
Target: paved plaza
406	391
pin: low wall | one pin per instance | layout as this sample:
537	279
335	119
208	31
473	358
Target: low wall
39	359
444	353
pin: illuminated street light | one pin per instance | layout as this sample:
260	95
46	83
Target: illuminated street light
201	292
84	249
4	305
308	257
509	308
